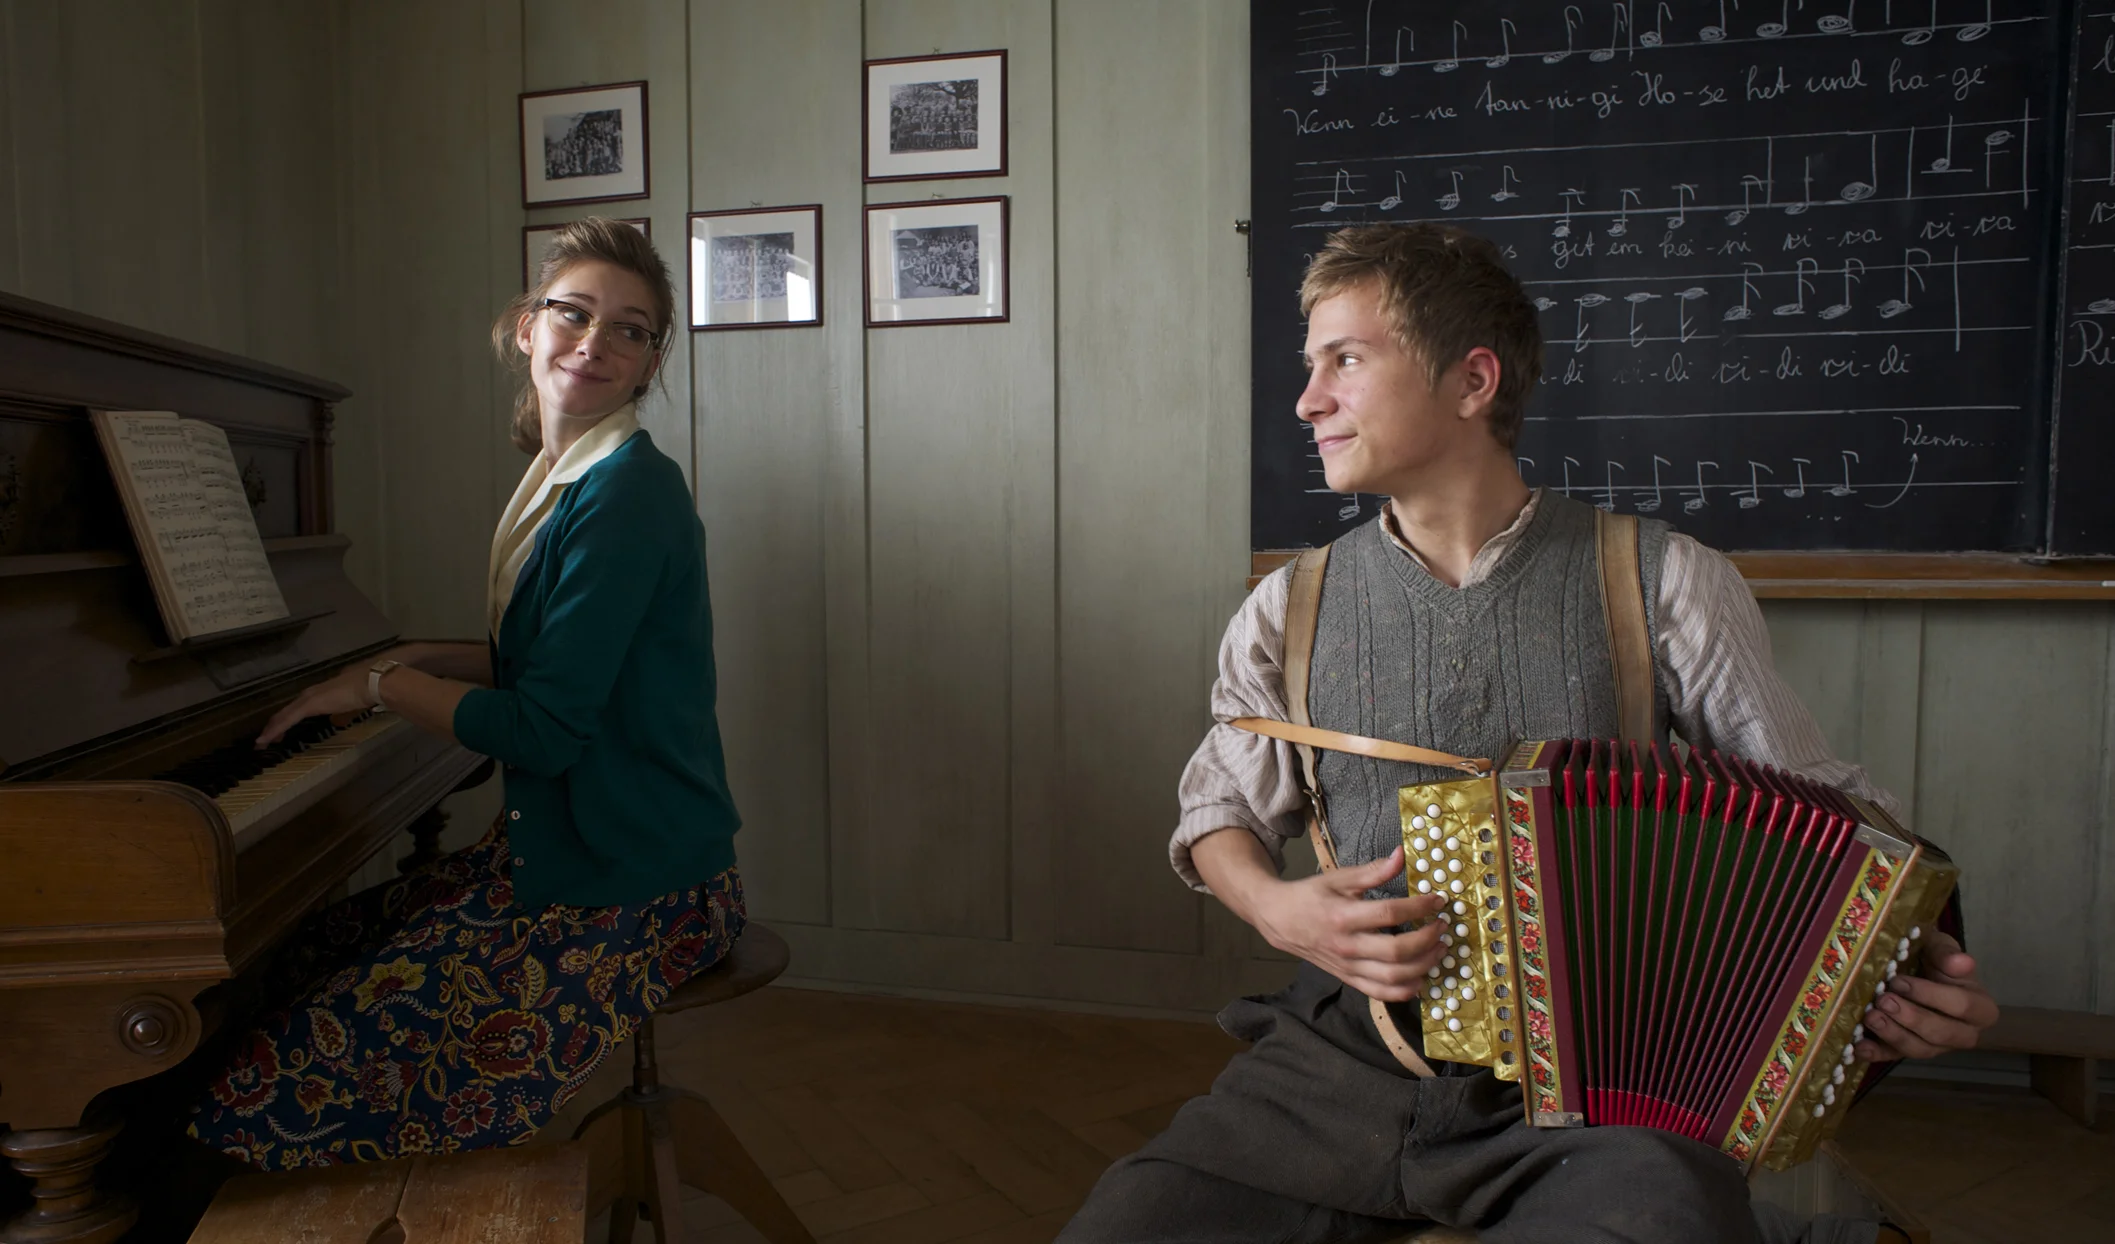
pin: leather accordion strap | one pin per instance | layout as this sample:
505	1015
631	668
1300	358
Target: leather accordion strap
1303	606
1360	745
1623	606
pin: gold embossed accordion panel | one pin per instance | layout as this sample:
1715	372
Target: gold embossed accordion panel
1666	937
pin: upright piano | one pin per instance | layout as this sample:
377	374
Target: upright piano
147	851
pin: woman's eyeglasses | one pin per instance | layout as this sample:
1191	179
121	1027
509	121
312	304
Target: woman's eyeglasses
574	323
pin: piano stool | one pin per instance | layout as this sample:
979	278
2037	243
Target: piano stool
531	1195
659	1136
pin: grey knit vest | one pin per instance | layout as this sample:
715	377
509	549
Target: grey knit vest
1522	655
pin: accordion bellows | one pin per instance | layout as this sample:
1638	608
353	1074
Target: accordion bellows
1666	938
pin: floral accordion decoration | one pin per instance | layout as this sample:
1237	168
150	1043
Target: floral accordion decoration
1666	937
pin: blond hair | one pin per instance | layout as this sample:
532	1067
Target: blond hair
1443	292
595	238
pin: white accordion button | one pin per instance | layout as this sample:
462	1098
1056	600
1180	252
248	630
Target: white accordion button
1902	950
1420	862
1445	940
1461	909
1423	886
1453	1024
1433	810
1453	866
1453	844
1417	844
1857	1033
1453	1004
1849	1055
1468	993
1438	854
1828	1094
1836	1074
1891	968
1455	885
1434	973
1915	932
1447	962
1437	1013
1418	822
1820	1110
1465	971
1880	988
1461	930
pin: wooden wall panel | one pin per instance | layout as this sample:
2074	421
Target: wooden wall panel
960	425
2010	779
1135	366
765	402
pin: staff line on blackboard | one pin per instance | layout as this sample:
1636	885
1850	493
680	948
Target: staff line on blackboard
1635	342
1657	142
1734	276
1745	414
1631	54
1341	205
1736	486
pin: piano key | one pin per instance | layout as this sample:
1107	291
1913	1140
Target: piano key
258	804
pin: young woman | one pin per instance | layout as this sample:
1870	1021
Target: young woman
459	1007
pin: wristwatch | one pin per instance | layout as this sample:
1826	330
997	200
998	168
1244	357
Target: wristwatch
374	680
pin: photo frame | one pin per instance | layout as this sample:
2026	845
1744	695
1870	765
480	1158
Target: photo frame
937	262
536	239
932	117
584	145
758	267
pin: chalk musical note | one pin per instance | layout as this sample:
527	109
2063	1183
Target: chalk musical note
1924	35
1944	164
1688	296
1544	304
1572	20
1395	66
1651	503
1699	501
1859	191
1329	67
1523	464
1713	34
1842	23
1452	198
2100	306
1683	192
1569	463
1844	489
1969	34
1388	204
1337	189
1653	37
1754	497
1563	227
1505	39
1834	310
1806	194
1748	183
1771	30
1800	286
1747	287
1956	265
1619	22
1799	490
1896	306
1993	146
1580	336
1621	224
1906	486
1636	300
1453	62
1505	182
1608	498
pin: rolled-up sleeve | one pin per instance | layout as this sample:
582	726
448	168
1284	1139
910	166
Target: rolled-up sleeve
605	571
1238	780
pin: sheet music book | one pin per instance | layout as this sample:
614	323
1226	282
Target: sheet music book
184	500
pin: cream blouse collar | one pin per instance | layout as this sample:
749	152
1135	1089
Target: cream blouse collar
534	499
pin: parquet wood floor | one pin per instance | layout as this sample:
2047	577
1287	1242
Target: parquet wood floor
895	1121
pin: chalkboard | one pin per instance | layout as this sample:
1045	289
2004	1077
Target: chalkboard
2082	518
1798	263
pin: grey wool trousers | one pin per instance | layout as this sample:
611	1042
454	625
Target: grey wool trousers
1315	1135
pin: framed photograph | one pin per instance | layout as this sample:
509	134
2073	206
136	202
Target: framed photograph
583	145
929	117
936	262
536	239
756	268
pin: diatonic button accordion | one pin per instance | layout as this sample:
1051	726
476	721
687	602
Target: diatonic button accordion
1666	937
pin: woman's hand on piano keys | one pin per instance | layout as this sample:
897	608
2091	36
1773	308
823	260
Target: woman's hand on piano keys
334	697
1943	1008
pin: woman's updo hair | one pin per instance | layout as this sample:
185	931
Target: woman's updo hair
595	238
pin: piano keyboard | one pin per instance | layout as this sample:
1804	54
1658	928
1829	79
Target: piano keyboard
257	788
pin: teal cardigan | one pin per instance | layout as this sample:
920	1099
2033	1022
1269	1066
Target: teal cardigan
601	707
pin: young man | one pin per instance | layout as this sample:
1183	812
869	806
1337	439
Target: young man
1466	617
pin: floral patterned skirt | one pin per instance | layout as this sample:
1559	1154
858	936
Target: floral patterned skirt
428	1015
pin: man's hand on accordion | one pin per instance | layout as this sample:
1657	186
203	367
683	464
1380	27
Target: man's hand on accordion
1944	1008
1327	919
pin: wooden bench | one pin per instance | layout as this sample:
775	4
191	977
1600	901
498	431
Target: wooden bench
491	1196
2063	1049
